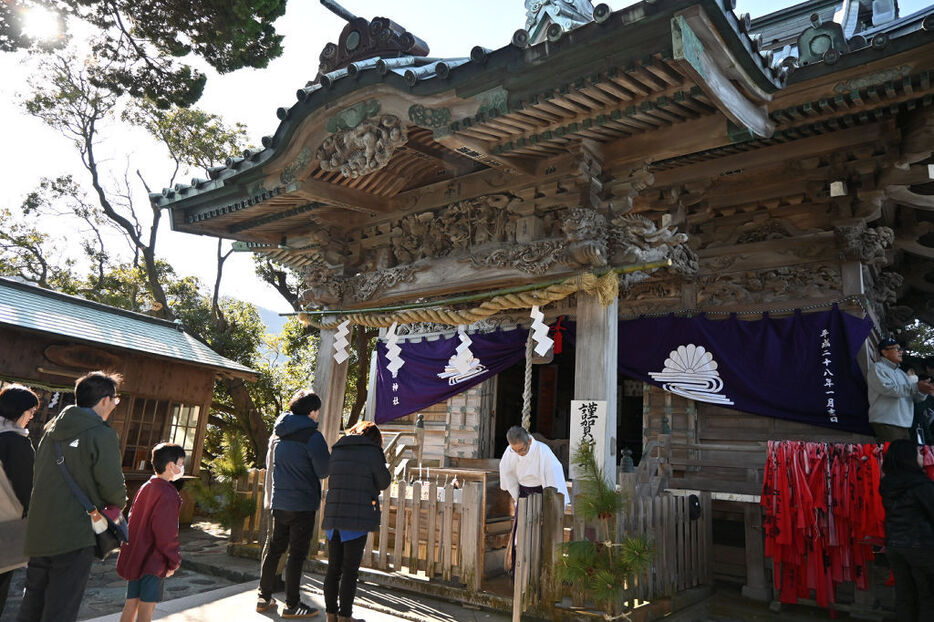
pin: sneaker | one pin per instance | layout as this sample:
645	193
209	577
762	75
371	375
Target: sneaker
301	610
265	604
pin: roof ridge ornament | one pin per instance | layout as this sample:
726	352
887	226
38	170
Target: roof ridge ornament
363	39
566	14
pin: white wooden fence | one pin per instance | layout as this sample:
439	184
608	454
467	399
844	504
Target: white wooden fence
425	529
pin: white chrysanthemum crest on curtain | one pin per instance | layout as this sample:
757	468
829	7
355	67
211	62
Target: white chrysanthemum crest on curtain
690	371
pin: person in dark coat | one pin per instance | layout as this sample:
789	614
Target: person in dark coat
908	497
358	473
18	405
297	458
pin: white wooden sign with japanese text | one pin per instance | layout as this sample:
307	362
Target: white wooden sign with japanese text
588	424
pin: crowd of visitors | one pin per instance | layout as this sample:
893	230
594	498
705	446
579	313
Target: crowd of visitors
72	489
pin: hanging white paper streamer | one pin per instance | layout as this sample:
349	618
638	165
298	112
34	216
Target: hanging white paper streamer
540	336
393	351
461	360
341	342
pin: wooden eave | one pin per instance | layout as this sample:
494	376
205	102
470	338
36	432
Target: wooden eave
632	86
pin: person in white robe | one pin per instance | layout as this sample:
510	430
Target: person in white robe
530	463
528	467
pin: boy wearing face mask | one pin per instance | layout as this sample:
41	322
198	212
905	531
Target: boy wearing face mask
152	554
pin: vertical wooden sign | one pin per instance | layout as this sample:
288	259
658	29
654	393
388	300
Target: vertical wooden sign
588	425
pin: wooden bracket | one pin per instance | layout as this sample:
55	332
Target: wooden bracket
704	57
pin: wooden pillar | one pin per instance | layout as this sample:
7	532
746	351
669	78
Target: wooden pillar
330	383
369	412
756	586
595	365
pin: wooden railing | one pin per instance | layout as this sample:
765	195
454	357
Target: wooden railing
682	545
539	536
425	529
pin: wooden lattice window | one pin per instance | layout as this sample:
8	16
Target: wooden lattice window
145	426
184	428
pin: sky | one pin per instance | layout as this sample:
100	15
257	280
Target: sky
250	96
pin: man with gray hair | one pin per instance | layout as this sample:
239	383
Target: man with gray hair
527	468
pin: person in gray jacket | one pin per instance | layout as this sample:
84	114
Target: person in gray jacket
298	458
893	393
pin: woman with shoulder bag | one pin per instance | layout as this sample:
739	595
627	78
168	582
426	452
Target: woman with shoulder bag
357	474
18	405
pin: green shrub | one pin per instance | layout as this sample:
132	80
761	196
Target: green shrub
219	499
599	570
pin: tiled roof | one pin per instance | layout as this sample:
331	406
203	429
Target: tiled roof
429	74
34	308
778	32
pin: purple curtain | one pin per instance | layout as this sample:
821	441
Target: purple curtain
427	377
801	368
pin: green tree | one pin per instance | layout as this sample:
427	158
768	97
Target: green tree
919	339
27	252
141	42
598	569
68	96
220	499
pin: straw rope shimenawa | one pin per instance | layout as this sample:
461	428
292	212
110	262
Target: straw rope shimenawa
605	288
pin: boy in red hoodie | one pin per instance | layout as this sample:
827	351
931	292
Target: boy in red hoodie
152	554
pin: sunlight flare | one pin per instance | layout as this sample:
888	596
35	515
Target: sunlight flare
41	24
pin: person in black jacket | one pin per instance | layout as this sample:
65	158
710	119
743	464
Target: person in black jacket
351	509
298	460
18	405
908	497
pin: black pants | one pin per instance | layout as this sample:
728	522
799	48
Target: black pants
290	530
914	584
524	491
55	586
341	580
5	580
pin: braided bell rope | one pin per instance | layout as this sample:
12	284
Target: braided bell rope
605	288
527	385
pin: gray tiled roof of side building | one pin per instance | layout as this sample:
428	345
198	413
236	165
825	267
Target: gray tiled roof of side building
34	308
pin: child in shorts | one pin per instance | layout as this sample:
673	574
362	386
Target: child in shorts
152	554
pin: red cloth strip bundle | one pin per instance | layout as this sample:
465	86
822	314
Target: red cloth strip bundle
823	514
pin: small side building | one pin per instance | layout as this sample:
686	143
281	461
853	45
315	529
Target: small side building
51	339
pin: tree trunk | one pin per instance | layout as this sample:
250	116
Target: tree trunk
249	417
361	339
155	287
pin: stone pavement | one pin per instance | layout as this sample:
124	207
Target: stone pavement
106	591
212	585
238	602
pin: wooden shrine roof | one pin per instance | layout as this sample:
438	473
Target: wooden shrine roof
506	109
728	116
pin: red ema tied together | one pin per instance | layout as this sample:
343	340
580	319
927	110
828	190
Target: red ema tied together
823	514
